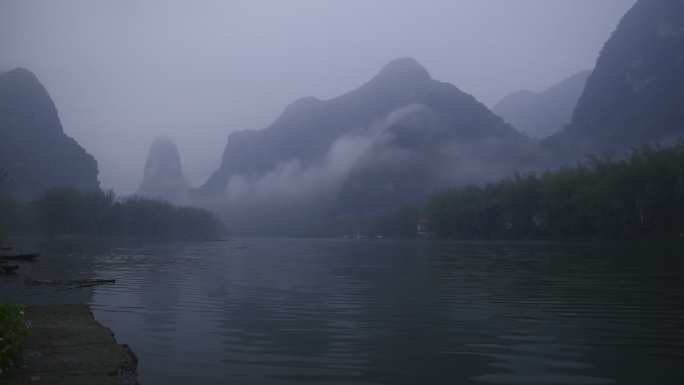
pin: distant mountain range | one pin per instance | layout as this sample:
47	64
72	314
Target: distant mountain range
403	135
540	114
391	142
388	143
309	127
34	150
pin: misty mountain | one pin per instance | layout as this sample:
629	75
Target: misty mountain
635	94
163	176
390	142
34	149
540	114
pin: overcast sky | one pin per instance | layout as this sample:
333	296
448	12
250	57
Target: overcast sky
124	72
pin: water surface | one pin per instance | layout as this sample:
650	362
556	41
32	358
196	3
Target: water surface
276	311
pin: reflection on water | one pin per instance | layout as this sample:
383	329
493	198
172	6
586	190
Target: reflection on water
379	312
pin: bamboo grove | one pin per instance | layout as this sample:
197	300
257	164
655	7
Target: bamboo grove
640	196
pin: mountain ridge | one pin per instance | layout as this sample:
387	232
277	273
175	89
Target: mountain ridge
540	114
398	136
401	82
34	149
635	95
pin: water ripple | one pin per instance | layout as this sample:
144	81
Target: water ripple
378	312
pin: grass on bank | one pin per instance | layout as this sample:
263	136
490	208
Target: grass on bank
13	329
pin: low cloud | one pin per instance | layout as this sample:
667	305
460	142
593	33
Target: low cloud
297	180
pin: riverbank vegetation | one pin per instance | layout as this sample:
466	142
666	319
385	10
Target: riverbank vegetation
13	329
70	211
640	196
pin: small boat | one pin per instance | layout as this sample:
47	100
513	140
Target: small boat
19	256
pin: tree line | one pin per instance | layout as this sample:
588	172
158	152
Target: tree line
636	197
639	196
71	211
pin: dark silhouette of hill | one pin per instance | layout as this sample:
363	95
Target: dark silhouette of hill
635	95
308	127
34	149
544	113
163	177
390	142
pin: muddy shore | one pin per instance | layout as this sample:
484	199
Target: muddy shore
68	346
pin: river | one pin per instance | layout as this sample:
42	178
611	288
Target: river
291	311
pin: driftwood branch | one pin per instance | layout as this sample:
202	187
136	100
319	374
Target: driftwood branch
77	282
72	284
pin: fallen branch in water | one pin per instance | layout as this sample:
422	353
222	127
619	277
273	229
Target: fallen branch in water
78	282
73	284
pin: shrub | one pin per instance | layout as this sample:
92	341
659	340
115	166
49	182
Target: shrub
13	328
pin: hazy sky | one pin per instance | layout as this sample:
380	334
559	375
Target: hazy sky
124	72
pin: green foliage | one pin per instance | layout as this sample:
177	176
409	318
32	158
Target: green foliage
70	211
67	210
13	329
16	216
135	216
641	196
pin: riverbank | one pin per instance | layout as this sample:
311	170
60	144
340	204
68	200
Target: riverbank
68	346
